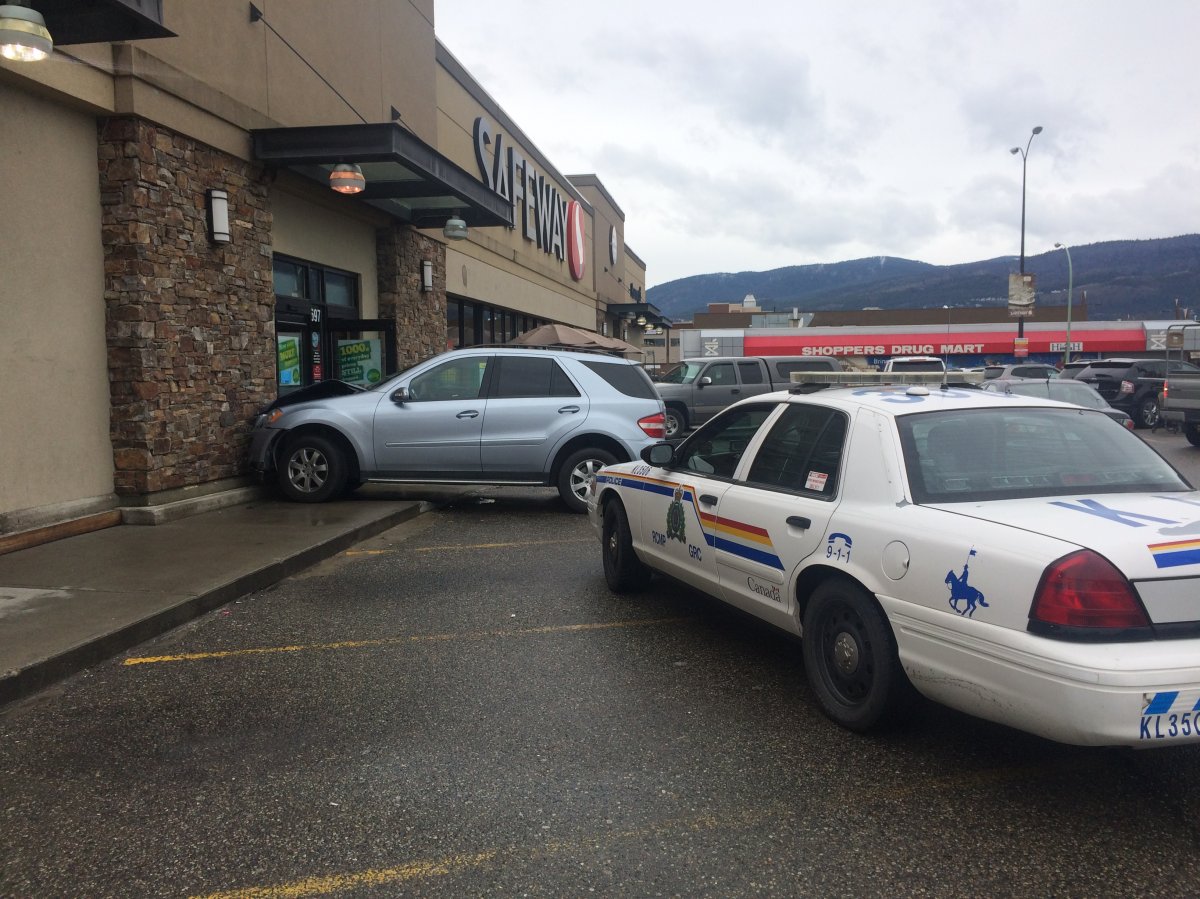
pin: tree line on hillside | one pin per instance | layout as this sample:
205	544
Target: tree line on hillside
1124	279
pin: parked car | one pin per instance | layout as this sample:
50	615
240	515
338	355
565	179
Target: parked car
1179	404
1020	370
1132	385
1018	559
1065	390
1071	369
697	389
508	416
914	363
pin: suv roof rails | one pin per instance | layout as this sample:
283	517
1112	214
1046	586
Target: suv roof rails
596	351
810	381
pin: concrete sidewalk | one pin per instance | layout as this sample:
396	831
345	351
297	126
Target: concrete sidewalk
71	603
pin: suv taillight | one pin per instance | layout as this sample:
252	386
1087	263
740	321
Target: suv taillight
654	425
1084	589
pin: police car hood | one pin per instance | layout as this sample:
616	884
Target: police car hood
1146	535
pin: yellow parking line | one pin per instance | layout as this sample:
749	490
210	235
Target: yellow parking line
453	547
396	641
335	883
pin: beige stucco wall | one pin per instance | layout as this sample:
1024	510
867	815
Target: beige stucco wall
313	229
54	402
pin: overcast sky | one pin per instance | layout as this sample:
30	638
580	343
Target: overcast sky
754	135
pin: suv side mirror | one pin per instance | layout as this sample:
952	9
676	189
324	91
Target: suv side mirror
704	382
399	395
660	455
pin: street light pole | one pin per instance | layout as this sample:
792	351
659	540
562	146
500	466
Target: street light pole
1024	160
946	355
1070	290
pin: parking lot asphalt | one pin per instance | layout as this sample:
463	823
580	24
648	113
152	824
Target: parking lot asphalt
74	602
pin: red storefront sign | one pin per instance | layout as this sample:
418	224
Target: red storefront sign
855	342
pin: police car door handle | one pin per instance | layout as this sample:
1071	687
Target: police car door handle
798	521
569	409
469	413
708	499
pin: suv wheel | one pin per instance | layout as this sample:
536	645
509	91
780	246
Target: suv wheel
1147	412
1192	433
577	471
676	423
312	469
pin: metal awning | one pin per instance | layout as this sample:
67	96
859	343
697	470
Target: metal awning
101	21
406	178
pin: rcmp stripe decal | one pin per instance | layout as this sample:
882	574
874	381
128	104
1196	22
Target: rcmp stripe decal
1175	553
735	537
1165	701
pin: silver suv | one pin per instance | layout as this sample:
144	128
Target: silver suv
507	416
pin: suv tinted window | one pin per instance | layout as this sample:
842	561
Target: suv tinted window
630	380
458	379
523	376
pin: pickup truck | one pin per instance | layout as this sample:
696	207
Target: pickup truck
1180	403
1135	385
697	389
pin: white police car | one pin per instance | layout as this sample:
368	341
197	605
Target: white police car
1023	560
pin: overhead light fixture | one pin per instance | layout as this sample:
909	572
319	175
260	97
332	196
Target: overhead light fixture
456	228
23	34
347	179
641	319
218	216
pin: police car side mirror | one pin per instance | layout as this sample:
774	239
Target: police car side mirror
704	382
399	396
660	455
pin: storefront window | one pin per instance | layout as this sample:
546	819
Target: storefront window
341	289
453	323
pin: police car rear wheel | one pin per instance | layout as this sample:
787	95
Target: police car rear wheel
850	656
623	570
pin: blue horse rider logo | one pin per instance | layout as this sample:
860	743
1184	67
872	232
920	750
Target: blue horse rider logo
962	592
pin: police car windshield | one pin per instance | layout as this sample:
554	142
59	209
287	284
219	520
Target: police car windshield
983	454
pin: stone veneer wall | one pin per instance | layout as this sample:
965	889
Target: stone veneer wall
420	317
190	324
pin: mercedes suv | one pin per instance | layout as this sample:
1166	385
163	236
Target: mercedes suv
480	415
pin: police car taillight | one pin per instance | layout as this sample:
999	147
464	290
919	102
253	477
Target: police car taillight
654	425
1084	589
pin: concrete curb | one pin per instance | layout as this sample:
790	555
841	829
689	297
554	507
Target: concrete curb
26	681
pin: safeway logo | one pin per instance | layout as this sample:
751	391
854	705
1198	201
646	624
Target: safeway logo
576	237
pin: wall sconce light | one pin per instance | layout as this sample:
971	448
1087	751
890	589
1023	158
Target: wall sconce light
218	216
456	228
23	34
347	179
426	275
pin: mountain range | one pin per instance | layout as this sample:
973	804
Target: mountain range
1122	279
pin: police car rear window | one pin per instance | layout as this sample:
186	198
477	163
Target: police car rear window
993	454
628	379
